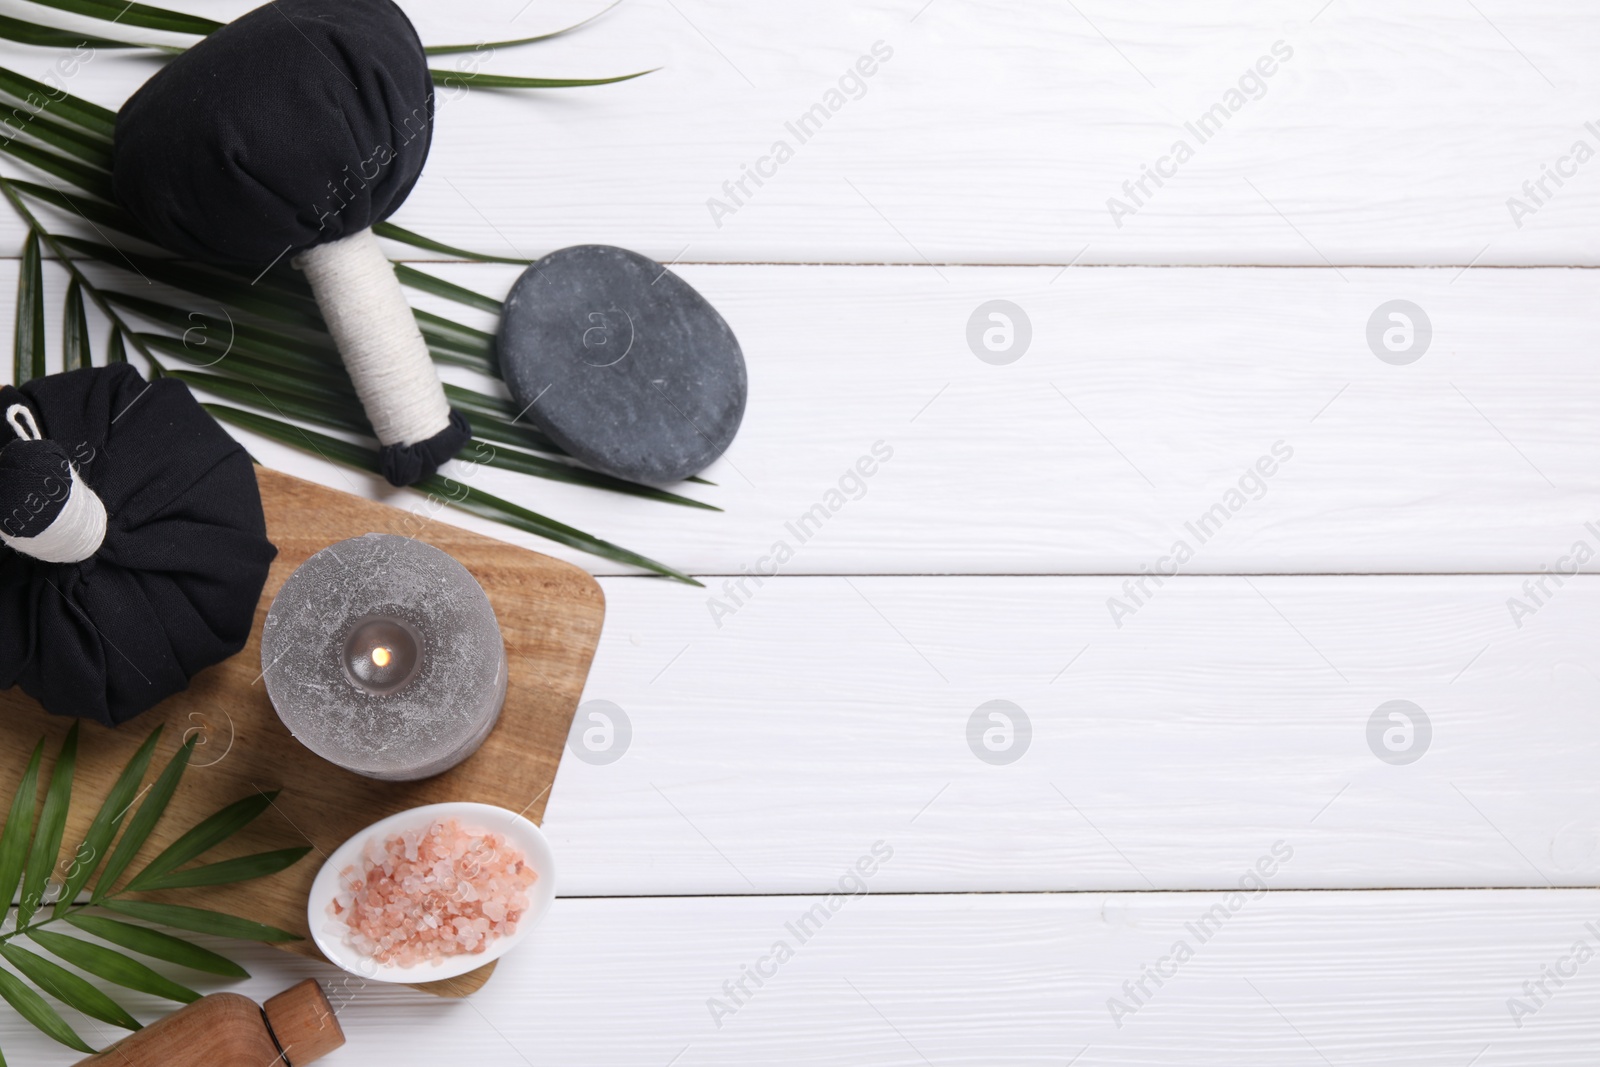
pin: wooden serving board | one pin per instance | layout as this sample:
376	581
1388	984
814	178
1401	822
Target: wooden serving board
549	611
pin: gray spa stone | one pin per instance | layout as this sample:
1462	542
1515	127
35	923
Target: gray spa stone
622	364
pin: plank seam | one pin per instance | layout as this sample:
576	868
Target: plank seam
1086	892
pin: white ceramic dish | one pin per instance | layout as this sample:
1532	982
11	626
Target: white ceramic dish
329	932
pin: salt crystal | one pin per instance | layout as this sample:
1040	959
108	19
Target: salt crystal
424	895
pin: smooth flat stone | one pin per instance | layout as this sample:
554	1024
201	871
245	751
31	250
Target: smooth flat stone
622	364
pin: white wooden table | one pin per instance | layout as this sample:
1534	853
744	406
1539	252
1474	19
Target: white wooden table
1183	736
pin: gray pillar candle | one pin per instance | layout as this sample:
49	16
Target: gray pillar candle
381	654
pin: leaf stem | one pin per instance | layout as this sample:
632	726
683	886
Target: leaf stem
71	909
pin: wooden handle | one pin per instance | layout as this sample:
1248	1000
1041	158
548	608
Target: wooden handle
221	1028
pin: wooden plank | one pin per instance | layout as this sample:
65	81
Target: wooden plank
1420	978
1184	377
1143	400
1224	712
549	613
998	131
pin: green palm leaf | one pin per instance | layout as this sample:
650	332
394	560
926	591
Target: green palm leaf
243	360
29	854
113	966
205	835
130	14
511	459
244	385
199	920
116	351
32	1007
450	49
454	335
67	987
67	261
501	431
47	835
30	363
19	826
427	283
75	351
501	412
276	401
453	79
84	175
227	872
467	498
157	945
304	347
106	822
416	240
92	150
51	37
477	502
144	820
96	213
216	285
76	110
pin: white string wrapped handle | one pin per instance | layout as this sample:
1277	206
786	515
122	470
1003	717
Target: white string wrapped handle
377	336
79	529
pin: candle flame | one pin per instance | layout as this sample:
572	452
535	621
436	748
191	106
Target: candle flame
381	656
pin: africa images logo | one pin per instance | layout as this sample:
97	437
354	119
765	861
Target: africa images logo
1252	85
738	991
851	85
1140	991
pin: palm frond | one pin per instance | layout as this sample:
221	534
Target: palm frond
144	820
32	1007
107	821
67	987
47	834
445	490
280	361
81	113
211	832
50	37
148	17
32	852
428	244
317	391
492	46
427	283
18	834
111	965
459	79
132	14
198	920
157	945
85	176
60	136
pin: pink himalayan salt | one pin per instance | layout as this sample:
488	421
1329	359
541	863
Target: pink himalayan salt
423	895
